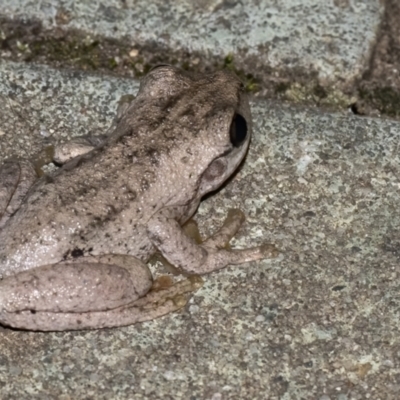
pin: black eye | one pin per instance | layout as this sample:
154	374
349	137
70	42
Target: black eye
238	130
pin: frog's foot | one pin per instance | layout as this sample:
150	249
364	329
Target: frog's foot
16	177
209	256
221	239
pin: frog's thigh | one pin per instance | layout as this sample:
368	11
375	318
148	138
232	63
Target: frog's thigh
16	177
155	304
82	285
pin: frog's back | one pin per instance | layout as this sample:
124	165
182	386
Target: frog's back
83	209
158	156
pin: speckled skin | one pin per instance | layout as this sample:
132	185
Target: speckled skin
60	250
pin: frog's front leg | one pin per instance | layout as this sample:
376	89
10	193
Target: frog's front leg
183	252
64	152
78	146
87	293
16	177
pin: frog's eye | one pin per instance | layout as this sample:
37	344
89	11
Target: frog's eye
238	130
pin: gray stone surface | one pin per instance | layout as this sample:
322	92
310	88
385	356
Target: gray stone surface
320	323
39	104
332	38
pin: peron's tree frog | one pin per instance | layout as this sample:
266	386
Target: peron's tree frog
74	244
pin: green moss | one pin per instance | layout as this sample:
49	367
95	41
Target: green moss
313	93
83	52
319	92
385	99
228	61
112	63
250	82
30	42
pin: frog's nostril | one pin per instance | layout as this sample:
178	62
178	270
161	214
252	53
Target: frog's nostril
238	130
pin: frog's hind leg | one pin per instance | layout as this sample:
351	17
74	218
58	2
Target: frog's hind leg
87	293
16	177
155	304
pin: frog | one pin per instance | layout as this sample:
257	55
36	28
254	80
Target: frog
75	243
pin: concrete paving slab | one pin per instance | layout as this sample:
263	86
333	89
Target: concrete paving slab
40	104
332	39
321	323
379	90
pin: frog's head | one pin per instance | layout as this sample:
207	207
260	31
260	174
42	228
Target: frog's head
200	123
229	128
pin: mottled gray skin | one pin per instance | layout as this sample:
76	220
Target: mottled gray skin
73	245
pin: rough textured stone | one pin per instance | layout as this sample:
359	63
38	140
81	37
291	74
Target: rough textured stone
333	39
321	322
